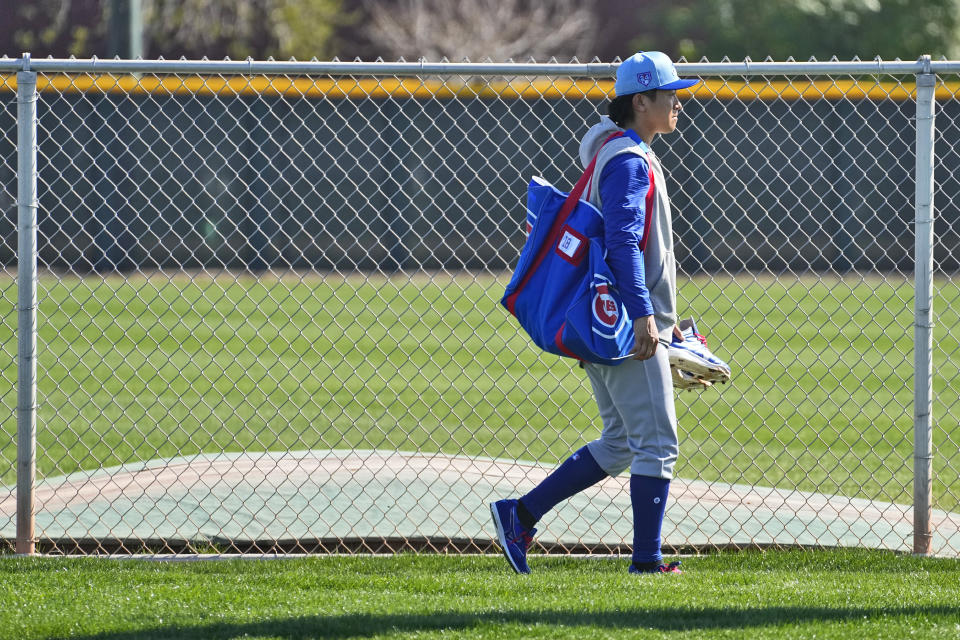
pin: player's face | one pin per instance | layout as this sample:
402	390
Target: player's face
656	116
666	110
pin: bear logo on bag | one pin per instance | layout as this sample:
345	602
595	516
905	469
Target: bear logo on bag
605	307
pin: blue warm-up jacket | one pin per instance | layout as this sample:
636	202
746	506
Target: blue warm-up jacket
628	187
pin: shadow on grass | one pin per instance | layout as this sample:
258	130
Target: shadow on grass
663	619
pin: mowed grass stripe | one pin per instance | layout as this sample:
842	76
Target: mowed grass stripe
773	595
156	366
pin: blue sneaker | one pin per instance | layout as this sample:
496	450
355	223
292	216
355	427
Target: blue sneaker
513	537
673	567
692	355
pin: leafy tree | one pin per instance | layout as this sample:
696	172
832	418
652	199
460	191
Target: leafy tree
174	28
804	28
52	27
308	28
255	28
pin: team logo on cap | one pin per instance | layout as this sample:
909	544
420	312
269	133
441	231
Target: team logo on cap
644	78
605	307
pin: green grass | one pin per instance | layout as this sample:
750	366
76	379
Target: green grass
797	594
157	366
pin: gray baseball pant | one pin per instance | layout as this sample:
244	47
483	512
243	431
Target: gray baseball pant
638	414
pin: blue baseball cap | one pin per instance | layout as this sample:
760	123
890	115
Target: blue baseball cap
646	71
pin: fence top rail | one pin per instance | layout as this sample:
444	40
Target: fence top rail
593	69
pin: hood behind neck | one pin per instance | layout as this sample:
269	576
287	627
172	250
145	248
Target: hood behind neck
594	138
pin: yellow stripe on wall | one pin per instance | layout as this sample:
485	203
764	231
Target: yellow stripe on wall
455	87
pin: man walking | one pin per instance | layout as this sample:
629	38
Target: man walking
635	398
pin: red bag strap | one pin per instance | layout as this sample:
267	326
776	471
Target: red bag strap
648	206
577	192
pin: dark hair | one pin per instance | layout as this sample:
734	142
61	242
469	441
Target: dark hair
620	108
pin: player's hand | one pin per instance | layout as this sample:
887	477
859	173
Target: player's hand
677	334
646	338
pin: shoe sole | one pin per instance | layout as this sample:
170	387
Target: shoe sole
698	367
502	538
678	572
688	382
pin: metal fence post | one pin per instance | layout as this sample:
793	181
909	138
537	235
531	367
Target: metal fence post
923	315
27	305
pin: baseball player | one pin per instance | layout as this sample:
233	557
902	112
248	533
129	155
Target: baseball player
635	398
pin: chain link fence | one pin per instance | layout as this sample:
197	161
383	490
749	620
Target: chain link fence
268	311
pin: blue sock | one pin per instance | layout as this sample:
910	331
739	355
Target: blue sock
578	472
649	499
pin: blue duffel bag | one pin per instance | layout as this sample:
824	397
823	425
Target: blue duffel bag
562	291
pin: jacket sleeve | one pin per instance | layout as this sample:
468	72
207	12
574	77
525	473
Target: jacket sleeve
624	183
